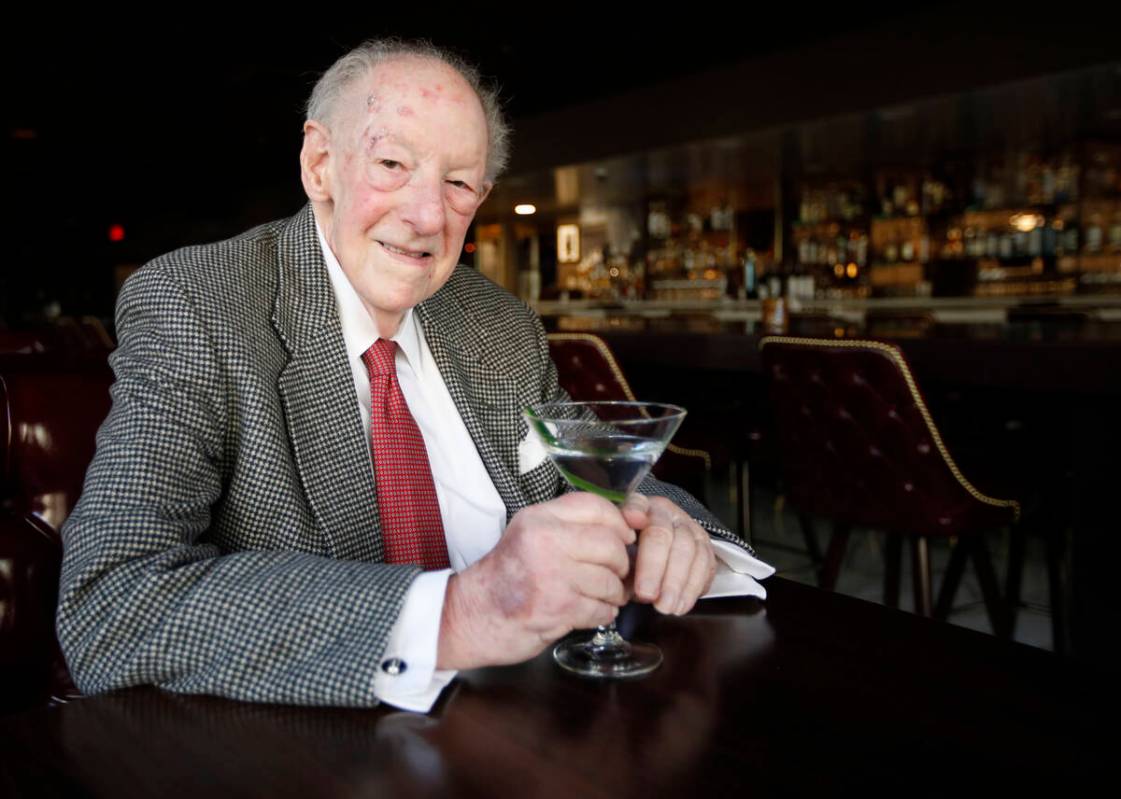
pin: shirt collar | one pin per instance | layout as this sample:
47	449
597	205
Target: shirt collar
358	327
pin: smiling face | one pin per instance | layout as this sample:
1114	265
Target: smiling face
396	179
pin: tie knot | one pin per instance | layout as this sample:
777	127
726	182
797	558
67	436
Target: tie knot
379	358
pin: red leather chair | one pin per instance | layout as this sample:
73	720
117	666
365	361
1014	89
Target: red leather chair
50	409
589	372
859	447
67	340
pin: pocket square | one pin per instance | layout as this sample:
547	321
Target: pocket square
531	453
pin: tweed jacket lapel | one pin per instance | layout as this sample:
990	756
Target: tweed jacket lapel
317	393
486	398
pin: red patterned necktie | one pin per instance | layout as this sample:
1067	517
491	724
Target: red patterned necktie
411	527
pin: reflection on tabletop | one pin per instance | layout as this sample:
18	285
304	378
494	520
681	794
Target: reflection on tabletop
529	730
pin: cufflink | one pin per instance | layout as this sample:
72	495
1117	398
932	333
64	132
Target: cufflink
393	666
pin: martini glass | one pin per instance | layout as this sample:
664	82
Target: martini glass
606	448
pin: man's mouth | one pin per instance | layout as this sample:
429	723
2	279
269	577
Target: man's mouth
402	251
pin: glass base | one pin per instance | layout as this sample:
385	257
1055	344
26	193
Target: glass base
606	655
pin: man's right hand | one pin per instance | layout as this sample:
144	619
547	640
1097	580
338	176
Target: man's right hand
559	566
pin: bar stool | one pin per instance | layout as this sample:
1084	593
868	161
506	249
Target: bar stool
858	447
588	371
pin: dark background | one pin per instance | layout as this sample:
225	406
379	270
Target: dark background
184	126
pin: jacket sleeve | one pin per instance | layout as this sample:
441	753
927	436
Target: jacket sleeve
651	486
147	598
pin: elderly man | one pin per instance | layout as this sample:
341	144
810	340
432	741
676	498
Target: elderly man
314	485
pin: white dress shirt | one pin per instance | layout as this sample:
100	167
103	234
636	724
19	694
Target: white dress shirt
467	498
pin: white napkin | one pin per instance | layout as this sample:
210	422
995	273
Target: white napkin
531	453
737	572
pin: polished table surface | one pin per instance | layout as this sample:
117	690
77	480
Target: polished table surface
806	693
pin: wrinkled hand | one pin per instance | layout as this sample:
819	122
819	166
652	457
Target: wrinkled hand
675	562
559	566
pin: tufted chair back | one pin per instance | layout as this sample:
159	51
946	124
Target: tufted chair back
49	416
858	447
588	371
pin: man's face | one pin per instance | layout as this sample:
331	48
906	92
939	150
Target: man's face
404	168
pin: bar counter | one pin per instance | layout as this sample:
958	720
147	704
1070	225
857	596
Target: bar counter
1032	356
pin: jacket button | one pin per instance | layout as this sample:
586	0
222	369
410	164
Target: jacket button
393	666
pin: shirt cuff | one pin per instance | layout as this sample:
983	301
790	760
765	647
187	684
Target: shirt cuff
407	677
737	572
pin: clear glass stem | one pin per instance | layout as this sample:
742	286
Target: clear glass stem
607	644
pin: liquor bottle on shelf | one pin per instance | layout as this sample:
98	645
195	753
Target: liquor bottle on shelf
774	286
907	250
1094	234
805	247
860	250
1115	232
1050	235
1005	248
1069	238
891	248
658	221
1035	241
974	242
750	275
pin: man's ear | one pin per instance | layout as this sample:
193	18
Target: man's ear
315	158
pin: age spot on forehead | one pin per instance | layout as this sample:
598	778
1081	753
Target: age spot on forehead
372	137
405	111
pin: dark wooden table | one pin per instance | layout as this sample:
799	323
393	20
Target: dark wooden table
808	693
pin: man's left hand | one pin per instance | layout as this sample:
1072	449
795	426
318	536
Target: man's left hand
675	562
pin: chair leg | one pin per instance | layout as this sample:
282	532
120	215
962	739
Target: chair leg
810	534
959	555
1056	551
920	558
893	568
1016	553
999	615
743	498
832	569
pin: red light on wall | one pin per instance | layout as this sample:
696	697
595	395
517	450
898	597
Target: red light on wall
469	247
116	233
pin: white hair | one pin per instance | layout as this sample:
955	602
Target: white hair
362	60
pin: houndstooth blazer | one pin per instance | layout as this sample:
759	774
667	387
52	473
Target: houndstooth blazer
227	539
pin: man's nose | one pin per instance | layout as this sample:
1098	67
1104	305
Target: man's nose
423	209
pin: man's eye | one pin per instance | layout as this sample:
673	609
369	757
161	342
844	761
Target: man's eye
459	184
390	164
